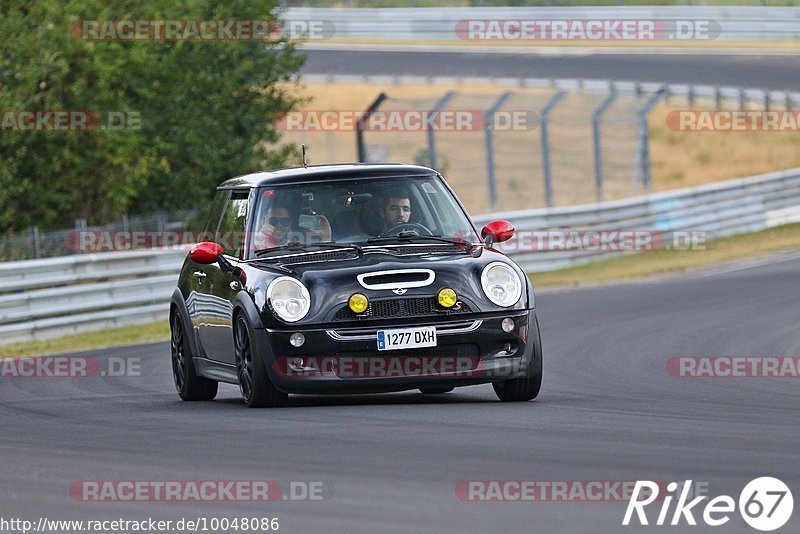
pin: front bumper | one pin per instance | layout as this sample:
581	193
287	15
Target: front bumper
470	350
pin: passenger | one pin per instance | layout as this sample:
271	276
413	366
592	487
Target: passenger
275	228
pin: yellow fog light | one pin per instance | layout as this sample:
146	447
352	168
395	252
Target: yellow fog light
447	297
358	303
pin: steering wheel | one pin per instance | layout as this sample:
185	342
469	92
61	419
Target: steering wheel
407	226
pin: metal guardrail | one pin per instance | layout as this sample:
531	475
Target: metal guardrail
731	23
53	297
58	296
719	210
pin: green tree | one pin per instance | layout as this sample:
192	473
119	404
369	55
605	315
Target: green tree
207	109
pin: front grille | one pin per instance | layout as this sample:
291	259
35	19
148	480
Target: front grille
399	307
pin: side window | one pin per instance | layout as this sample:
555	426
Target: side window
230	233
210	231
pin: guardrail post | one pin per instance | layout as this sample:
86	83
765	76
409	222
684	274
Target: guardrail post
644	139
741	99
548	179
598	153
437	107
766	100
362	148
37	242
691	96
718	97
487	128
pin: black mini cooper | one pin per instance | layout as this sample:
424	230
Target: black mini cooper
350	279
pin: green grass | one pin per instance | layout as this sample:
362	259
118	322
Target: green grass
126	335
670	261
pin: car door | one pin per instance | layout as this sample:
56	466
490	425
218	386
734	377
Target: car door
196	302
219	284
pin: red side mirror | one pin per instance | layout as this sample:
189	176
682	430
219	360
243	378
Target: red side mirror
205	252
499	230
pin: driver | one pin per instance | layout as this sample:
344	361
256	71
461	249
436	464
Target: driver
396	208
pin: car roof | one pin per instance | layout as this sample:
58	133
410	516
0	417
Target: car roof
322	172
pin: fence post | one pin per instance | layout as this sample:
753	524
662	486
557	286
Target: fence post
598	154
644	138
37	242
487	128
362	148
437	107
548	179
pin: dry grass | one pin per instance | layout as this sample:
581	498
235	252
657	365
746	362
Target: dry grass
686	159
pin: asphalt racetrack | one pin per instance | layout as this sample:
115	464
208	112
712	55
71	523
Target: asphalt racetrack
776	72
608	411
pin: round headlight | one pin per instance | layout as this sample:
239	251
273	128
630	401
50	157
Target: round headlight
447	297
288	298
358	303
501	284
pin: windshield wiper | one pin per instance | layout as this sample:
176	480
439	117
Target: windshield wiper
300	247
413	235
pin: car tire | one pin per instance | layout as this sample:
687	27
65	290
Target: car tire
526	387
433	390
254	383
190	386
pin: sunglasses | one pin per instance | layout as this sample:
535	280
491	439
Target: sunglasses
280	221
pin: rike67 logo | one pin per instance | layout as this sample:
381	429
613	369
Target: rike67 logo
765	504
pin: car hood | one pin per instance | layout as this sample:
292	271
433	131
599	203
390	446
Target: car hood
331	282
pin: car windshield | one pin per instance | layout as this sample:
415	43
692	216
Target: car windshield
361	211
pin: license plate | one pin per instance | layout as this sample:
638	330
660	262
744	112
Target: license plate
407	338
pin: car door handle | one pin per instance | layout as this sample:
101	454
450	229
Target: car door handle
199	274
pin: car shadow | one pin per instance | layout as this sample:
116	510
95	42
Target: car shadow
374	399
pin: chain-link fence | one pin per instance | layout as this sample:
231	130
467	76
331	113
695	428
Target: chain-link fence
35	243
520	150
